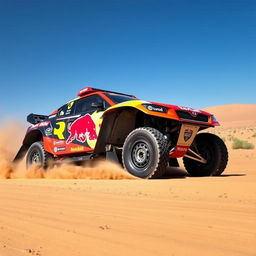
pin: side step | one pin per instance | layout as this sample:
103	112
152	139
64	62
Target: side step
76	159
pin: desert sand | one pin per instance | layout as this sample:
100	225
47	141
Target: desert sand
117	215
235	115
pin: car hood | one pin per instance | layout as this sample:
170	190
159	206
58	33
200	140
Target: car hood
184	108
171	112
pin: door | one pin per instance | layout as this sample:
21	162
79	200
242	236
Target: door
84	125
58	134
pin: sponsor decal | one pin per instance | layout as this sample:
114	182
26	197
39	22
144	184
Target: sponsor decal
192	112
183	149
82	129
69	109
42	124
70	104
152	108
187	134
68	112
186	108
56	149
68	117
179	151
155	108
59	142
60	130
48	131
81	148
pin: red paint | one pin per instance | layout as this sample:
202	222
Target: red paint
179	151
82	128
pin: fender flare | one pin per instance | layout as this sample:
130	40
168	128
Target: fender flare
30	138
116	125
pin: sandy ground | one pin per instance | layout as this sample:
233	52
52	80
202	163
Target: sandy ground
178	215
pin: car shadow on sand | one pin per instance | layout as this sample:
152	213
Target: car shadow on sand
231	175
175	173
180	173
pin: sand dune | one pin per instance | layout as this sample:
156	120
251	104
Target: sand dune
177	215
235	115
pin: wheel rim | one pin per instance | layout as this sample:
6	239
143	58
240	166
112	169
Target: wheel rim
35	157
140	155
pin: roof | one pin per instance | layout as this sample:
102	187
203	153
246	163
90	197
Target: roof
87	90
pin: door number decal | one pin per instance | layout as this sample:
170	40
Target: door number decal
60	130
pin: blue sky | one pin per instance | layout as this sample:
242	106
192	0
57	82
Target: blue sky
193	53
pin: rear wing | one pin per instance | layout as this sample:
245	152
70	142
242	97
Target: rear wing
35	119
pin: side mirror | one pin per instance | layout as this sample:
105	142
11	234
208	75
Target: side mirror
97	105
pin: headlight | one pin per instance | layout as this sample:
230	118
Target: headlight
214	119
155	108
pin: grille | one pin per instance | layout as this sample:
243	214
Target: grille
186	115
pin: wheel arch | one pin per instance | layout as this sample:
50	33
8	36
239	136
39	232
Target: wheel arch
33	136
116	125
120	121
30	138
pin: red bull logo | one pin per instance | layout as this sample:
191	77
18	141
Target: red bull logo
82	129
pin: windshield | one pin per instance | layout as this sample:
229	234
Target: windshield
118	98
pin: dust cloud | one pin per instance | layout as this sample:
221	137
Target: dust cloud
11	135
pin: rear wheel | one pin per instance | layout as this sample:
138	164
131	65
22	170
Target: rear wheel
145	153
37	155
213	150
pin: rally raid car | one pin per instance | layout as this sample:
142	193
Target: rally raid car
144	136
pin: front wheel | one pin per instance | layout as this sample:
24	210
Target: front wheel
213	150
145	153
37	155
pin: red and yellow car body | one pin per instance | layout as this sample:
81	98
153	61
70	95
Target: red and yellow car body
72	133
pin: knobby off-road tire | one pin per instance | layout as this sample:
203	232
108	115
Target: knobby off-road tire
37	155
213	149
145	153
